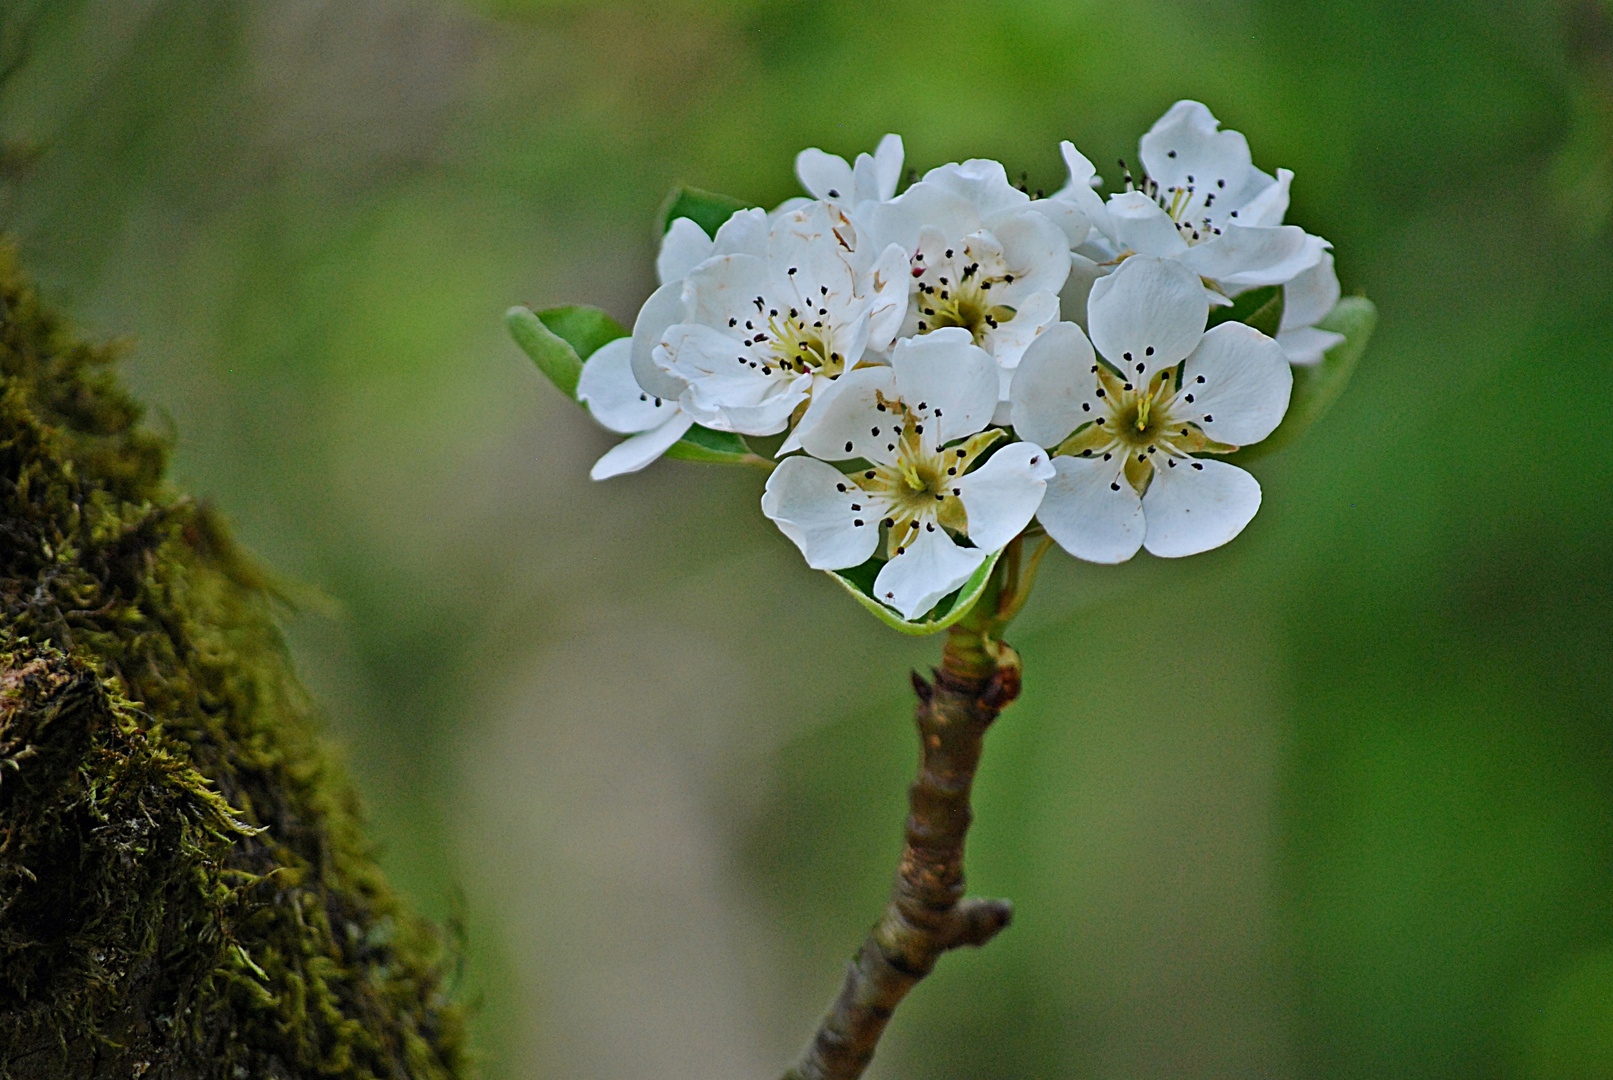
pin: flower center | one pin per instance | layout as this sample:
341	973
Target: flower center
1137	425
919	491
793	341
1189	210
958	292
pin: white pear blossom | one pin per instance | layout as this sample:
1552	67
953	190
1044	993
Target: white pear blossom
1127	428
984	257
1200	201
749	338
920	424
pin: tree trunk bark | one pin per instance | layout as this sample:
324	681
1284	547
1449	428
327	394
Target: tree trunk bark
185	889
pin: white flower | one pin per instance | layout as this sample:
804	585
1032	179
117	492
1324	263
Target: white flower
1200	201
750	338
1306	301
1127	476
616	400
984	257
918	422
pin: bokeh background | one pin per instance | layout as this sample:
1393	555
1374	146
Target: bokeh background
1335	801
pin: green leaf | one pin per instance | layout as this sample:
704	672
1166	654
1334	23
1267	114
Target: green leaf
1316	387
859	582
706	209
704	444
584	328
553	354
1260	308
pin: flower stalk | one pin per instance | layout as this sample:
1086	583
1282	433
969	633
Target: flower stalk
927	914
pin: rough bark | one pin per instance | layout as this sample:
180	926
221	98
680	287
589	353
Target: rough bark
185	891
927	914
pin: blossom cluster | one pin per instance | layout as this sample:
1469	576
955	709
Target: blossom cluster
959	362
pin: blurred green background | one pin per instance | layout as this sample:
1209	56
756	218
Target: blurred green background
1335	801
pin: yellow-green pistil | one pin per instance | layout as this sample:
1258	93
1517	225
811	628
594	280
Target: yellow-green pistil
919	491
1146	425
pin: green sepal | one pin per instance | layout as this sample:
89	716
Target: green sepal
584	328
706	209
859	582
553	354
703	444
1260	308
1317	386
560	339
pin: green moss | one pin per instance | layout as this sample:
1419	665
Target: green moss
185	890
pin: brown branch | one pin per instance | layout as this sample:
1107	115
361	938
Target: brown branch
927	914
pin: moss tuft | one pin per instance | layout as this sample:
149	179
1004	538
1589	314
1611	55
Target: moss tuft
185	891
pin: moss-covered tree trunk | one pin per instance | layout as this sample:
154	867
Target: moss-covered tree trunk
185	891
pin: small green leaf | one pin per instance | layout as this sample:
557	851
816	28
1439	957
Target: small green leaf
553	354
706	209
1260	308
704	444
1317	386
584	328
859	582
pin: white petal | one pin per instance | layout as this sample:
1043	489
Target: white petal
824	391
1036	250
1196	506
769	416
744	233
804	242
804	499
1255	255
1072	221
984	183
1309	297
1053	382
724	288
931	567
945	375
1008	341
924	205
1185	142
1149	311
891	283
1002	495
684	247
888	165
1246	384
614	397
825	175
1141	226
1084	273
1079	191
1269	204
1091	511
1307	345
664	308
643	448
845	425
